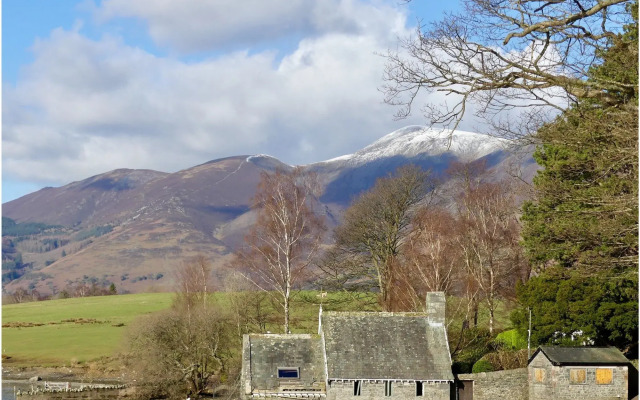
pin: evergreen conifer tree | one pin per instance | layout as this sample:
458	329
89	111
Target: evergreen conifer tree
581	232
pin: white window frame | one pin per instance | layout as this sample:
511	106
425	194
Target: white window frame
357	388
388	392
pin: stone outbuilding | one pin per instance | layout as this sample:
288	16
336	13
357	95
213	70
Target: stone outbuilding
355	354
583	373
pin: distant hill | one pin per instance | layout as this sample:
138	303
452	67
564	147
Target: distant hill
133	227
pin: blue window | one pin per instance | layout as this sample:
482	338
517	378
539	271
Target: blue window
288	373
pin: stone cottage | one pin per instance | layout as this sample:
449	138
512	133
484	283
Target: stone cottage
355	354
583	373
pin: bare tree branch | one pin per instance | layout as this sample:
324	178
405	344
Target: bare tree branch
504	55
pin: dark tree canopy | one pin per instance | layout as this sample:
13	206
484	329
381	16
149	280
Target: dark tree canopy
581	232
570	309
586	211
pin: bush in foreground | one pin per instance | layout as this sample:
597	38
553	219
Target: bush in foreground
182	352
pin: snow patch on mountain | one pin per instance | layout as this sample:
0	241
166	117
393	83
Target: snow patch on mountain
268	162
260	157
414	140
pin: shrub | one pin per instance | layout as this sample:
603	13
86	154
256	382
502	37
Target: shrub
507	359
165	364
482	366
474	344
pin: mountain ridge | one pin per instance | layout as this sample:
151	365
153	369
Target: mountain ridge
159	219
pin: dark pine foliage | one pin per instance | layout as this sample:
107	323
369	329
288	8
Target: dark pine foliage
581	232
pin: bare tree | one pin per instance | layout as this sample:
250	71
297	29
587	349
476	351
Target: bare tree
193	282
81	290
248	305
20	295
284	240
508	55
489	241
368	241
430	252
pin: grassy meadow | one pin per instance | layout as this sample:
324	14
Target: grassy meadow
70	331
79	330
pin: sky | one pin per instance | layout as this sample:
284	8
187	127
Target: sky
89	86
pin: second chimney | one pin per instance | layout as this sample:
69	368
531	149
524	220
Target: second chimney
436	306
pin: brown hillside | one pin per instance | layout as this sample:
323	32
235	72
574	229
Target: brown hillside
134	227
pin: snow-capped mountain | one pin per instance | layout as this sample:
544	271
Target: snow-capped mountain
413	141
432	149
133	227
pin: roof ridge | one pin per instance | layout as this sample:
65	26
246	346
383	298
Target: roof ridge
380	313
284	335
578	347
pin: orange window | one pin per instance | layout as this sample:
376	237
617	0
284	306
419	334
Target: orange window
604	376
578	375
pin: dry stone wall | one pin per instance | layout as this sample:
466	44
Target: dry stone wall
499	385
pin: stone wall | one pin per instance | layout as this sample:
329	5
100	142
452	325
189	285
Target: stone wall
376	390
617	389
86	395
555	382
499	385
540	385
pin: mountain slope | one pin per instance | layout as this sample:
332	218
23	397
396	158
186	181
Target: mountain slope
347	176
149	221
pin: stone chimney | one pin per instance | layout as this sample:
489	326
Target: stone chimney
436	306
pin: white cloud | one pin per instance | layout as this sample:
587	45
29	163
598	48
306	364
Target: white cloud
88	106
196	25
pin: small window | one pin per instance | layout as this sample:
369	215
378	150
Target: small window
419	389
577	376
387	389
357	388
604	376
539	374
288	373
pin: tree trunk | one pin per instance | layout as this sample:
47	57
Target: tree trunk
286	313
475	316
491	312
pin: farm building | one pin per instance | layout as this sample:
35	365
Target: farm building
578	373
354	354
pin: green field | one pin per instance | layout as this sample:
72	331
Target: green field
73	330
79	330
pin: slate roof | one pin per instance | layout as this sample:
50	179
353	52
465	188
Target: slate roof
270	351
401	346
582	355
